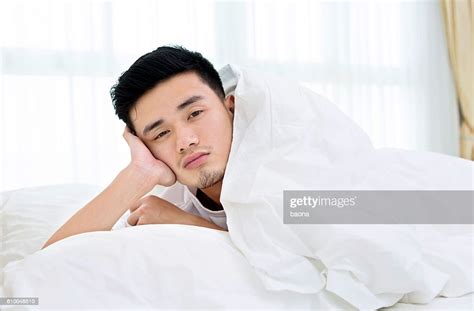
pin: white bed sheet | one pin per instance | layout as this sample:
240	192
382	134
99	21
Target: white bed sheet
465	302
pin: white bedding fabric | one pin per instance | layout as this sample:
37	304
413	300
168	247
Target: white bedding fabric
160	266
289	138
152	266
260	263
28	217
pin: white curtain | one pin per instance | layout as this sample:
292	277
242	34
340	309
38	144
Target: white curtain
384	63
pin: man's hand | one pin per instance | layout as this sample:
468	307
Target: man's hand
154	210
144	161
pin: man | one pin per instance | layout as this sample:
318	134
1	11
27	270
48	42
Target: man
178	128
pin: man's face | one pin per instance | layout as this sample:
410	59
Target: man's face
193	120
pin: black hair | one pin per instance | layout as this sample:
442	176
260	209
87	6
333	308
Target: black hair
155	67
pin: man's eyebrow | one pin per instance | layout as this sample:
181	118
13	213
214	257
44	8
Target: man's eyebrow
180	107
150	127
189	101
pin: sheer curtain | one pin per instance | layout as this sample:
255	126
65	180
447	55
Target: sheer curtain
384	63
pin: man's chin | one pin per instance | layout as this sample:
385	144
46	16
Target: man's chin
205	179
209	178
212	185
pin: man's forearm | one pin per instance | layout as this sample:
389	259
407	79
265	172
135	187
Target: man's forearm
104	210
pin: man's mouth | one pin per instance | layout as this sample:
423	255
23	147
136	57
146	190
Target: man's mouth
195	160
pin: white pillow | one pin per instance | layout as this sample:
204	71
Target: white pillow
29	216
159	266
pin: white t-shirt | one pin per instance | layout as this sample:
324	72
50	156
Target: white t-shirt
185	198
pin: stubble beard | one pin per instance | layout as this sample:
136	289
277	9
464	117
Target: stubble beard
210	178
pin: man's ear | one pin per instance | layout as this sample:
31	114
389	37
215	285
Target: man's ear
230	103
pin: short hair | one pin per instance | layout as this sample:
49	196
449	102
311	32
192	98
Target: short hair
155	67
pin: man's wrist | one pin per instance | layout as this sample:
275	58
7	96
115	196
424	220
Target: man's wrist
145	177
139	182
201	222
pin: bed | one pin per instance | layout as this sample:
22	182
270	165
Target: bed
285	137
151	266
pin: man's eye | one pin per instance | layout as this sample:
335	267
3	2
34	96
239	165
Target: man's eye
195	114
161	134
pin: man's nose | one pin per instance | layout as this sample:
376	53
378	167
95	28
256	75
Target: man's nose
186	139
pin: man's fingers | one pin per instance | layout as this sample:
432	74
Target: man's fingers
133	219
137	204
142	221
134	214
137	218
127	134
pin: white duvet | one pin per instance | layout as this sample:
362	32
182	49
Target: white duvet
285	137
289	138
